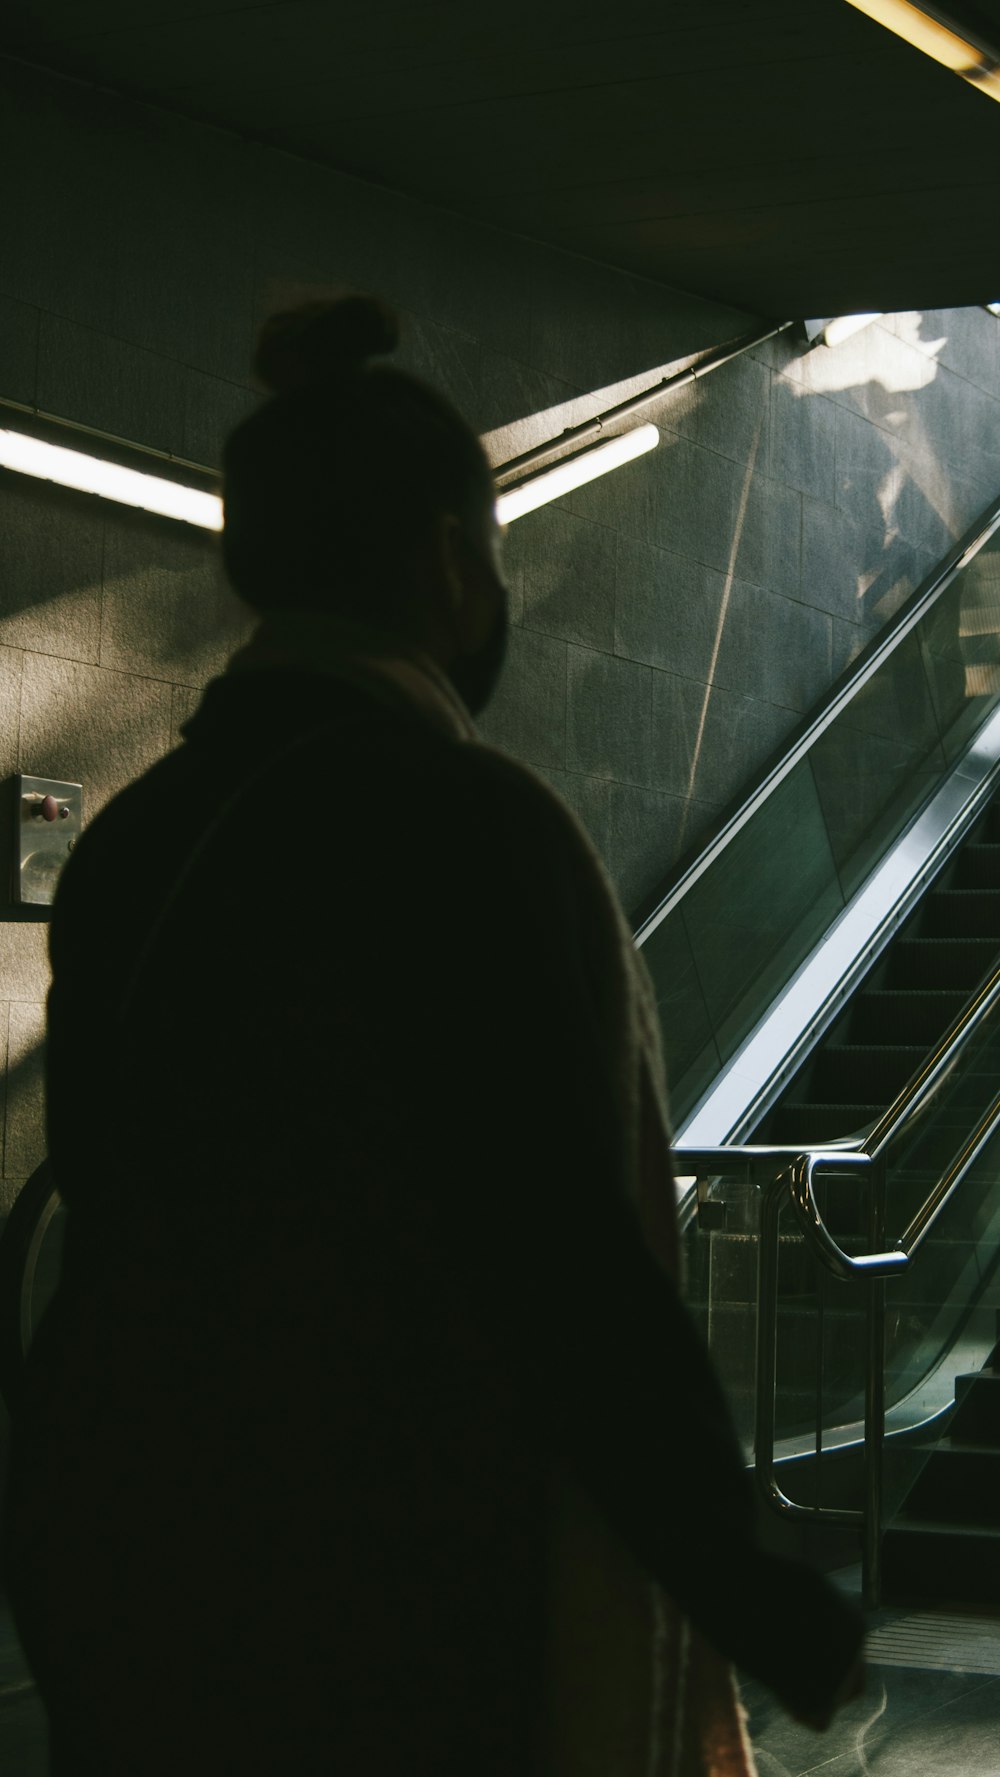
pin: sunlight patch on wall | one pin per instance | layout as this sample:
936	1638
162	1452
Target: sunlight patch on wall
895	360
524	432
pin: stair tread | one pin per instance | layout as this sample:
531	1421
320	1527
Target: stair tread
938	942
927	1527
959	1447
875	1049
827	1104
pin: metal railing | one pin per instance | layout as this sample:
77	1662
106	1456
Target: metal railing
787	1175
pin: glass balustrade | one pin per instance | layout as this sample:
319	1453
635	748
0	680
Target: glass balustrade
728	947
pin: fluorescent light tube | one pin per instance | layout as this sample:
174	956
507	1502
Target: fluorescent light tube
938	37
842	327
171	499
72	468
551	484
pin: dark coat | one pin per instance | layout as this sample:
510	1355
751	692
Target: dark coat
349	1265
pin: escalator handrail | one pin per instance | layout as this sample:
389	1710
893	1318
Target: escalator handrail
786	1171
799	1165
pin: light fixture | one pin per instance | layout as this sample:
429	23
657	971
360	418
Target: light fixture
551	484
832	330
933	32
130	487
173	499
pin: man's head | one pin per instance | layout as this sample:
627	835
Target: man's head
359	491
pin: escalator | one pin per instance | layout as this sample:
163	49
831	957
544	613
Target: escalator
916	989
831	940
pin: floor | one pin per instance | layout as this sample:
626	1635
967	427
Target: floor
23	1733
932	1709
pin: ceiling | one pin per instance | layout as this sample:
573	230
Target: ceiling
788	159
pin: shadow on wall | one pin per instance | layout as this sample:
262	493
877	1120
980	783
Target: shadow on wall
24	1106
893	489
674	621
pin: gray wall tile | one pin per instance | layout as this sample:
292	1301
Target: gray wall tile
667	608
803	434
697	508
18	350
11	662
212	409
24	1125
678	713
608	730
767	542
727	411
87	725
520	407
796	667
168	611
644	833
105	382
569	577
24	961
446	358
710	742
528	712
52	543
590	800
848	563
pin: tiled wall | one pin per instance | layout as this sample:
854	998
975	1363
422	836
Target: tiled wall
670	623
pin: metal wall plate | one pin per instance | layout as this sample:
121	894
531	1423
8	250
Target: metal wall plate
49	820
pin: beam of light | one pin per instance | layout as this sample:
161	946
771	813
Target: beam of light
551	484
937	36
73	468
719	631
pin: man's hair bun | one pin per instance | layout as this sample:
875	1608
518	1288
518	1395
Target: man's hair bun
323	340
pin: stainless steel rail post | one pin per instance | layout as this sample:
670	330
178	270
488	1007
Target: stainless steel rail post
871	1554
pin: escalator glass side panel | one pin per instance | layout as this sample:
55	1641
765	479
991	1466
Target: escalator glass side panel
766	901
690	1049
761	907
878	764
942	1314
954	1273
959	638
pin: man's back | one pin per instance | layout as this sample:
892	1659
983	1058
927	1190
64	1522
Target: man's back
286	1101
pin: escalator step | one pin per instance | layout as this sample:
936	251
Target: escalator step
962	913
958	1484
846	1072
979	867
958	1563
812	1123
921	1013
977	1412
940	962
